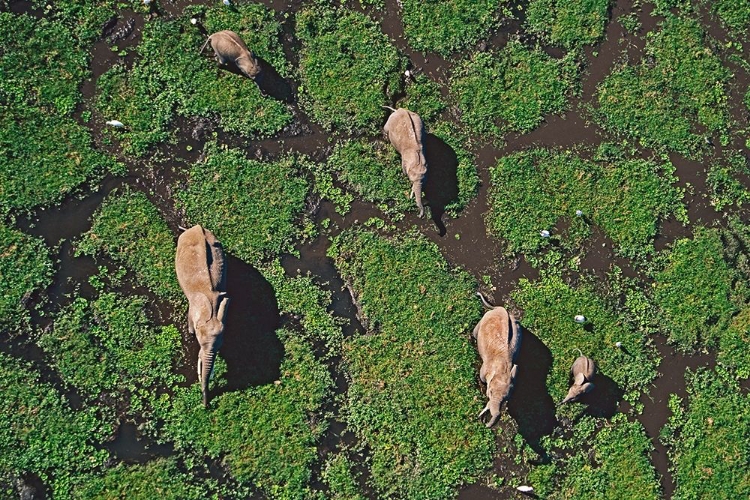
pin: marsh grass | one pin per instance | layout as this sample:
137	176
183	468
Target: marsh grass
537	189
549	306
609	463
161	477
708	436
43	66
412	397
107	349
734	15
570	24
255	208
341	479
41	434
265	435
25	266
348	68
447	27
677	90
169	76
723	180
511	90
128	228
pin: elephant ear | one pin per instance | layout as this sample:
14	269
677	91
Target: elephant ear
580	378
587	387
201	309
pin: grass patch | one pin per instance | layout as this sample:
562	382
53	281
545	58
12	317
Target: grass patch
341	480
170	76
160	478
678	89
348	68
734	15
130	229
569	24
446	27
424	97
550	305
25	266
265	435
694	289
512	89
723	180
709	438
610	464
41	434
254	207
534	190
412	397
107	349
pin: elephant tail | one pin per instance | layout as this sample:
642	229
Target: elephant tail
388	107
204	45
484	301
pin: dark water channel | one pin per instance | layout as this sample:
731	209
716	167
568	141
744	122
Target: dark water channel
251	348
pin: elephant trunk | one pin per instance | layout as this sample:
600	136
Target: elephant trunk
207	358
416	189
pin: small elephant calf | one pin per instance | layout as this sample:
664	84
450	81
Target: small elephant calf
228	46
583	371
498	337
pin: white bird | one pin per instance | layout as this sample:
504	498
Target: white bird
115	123
193	20
525	489
579	213
146	2
618	344
579	318
544	233
226	2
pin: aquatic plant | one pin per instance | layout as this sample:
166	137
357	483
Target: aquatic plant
570	24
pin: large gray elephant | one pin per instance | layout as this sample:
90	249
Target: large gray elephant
498	337
228	46
201	271
405	131
583	371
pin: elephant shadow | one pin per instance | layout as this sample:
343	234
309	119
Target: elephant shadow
269	81
252	350
441	184
531	406
604	400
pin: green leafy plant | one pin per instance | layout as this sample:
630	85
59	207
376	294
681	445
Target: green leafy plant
348	68
571	24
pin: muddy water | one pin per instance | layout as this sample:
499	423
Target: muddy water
253	351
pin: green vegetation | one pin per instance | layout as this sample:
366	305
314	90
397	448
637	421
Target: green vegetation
627	198
412	397
693	290
446	27
723	180
25	266
680	83
265	435
709	438
550	305
169	76
342	483
44	154
129	229
610	464
107	347
511	90
570	24
348	68
423	96
466	169
40	433
160	478
734	14
253	207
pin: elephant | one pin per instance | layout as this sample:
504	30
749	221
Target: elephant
498	336
228	46
201	272
583	371
405	130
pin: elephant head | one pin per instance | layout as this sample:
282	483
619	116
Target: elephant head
499	389
209	330
583	371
